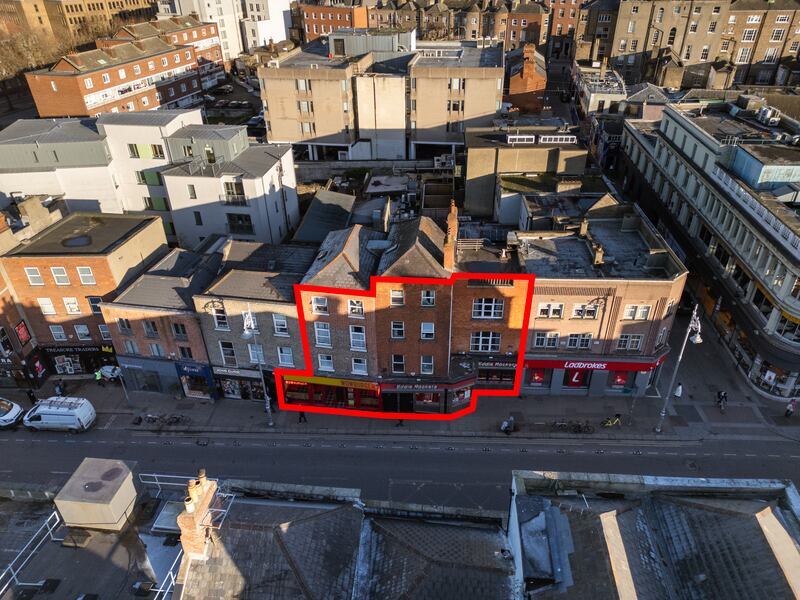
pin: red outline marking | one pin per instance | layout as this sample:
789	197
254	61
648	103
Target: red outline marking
370	293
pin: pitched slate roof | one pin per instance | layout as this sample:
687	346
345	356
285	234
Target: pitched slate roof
415	250
206	131
257	256
328	211
256	285
90	60
344	260
646	92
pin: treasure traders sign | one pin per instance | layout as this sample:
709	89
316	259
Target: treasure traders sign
79	349
593	365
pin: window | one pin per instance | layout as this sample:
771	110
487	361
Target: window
228	354
47	306
660	15
57	331
545	340
150	328
398	363
693	27
639	312
303	85
732	19
359	366
604	18
777	35
358	338
156	349
634	47
744	55
754	18
579	340
131	347
631	26
185	352
179	331
688	54
428	298
285	357
398	330
634	9
151	65
158	150
748	35
319	305
325	362
629	342
427	331
697	10
192	192
280	326
771	56
220	318
104	332
712	27
82	331
487	308
106	78
725	46
795	45
34	277
397	298
137	70
94	304
704	53
355	308
121	73
584	311
715	10
256	352
60	275
322	334
141	179
671	37
54	86
86	276
426	365
88	83
551	311
145	101
124	326
72	307
623	45
484	341
198	218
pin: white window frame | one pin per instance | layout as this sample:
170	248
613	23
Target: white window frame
427	298
34	276
324	364
582	341
584	311
630	341
322	331
78	335
397	298
285	356
105	333
54	332
86	275
550	310
401	362
355	309
484	341
637	312
398	330
319	305
361	361
46	303
426	367
233	350
220	317
71	301
488	308
256	353
358	339
427	331
280	325
62	273
545	339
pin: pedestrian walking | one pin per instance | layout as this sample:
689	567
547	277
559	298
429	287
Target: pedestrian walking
32	397
98	377
790	408
301	417
60	391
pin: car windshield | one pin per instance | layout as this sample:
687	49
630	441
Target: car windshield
5	407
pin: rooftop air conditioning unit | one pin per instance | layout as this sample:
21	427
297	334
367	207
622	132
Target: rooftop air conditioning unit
773	121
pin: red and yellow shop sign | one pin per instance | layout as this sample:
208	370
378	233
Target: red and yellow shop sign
336	382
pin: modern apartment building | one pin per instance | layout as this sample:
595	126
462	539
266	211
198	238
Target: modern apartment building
379	95
226	14
722	184
155	332
691	43
321	19
127	77
256	282
59	278
265	21
182	30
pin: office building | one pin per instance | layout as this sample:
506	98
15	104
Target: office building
225	14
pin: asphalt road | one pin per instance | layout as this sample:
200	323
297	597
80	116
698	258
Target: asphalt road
439	471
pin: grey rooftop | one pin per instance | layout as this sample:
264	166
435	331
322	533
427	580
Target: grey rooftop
328	212
208	132
50	131
156	118
253	162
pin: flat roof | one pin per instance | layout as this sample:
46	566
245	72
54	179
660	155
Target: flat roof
253	161
773	154
315	53
157	118
83	233
496	137
432	54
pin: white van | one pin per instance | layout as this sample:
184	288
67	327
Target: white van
60	413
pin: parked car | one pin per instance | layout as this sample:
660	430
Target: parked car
61	413
209	98
255	121
221	103
225	89
11	414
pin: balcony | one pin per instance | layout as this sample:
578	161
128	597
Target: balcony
234	199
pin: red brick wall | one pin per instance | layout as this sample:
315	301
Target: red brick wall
311	15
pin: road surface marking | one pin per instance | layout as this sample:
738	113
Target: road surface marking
752	455
671	453
774	455
728	454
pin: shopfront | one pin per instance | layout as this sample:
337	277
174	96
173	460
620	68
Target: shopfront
426	397
333	392
238	384
196	379
589	377
496	373
79	360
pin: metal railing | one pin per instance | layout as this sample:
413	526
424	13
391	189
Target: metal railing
160	481
11	573
234	199
165	589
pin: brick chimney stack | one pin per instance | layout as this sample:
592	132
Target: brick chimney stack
199	496
451	238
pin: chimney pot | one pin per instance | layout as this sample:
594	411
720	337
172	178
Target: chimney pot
201	477
188	504
193	490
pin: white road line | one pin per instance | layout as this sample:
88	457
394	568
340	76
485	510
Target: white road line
729	454
652	452
152	443
690	453
60	472
52	441
671	453
793	456
774	455
753	455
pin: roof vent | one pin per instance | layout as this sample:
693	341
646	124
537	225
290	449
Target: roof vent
77	241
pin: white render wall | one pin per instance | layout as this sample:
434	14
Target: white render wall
266	20
84	188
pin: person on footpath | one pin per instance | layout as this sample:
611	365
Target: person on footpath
790	408
301	417
32	397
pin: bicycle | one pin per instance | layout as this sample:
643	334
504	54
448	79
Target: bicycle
612	422
585	427
561	425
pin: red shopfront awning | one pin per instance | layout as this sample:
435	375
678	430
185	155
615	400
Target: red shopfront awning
593	365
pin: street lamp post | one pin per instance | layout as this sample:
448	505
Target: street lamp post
693	334
250	331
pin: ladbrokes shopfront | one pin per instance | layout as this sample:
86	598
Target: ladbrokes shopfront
589	377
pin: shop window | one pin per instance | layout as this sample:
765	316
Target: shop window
762	304
325	362
426	365
398	330
319	305
788	328
620	379
427	331
551	311
228	354
540	377
398	363
322	334
484	341
355	308
428	298
487	308
577	378
359	366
